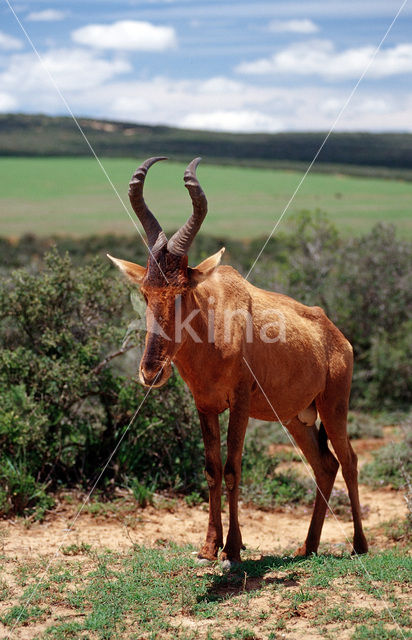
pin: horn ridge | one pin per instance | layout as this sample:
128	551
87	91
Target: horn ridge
155	235
180	242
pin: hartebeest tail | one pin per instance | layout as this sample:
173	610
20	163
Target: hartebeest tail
254	352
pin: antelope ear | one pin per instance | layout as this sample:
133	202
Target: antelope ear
205	268
133	271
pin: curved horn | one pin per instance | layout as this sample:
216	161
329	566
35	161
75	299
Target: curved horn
180	242
155	236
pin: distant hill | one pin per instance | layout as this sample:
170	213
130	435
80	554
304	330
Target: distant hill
39	135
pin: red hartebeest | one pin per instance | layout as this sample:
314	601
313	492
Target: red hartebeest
258	354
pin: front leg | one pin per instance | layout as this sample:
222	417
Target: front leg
213	472
238	420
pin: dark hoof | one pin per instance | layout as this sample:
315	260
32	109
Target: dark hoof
360	546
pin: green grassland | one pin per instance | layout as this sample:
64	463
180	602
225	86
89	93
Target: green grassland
69	195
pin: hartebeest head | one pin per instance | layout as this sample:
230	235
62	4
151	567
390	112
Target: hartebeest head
166	279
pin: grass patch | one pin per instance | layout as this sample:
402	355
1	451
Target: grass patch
142	493
76	549
72	195
398	530
240	634
161	593
379	631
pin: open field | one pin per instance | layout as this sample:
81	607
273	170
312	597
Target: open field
124	572
72	196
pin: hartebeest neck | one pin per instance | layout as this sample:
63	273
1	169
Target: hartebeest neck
207	311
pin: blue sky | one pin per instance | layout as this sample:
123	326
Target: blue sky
234	66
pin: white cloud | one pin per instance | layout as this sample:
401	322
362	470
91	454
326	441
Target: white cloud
74	70
47	15
220	86
319	57
7	102
92	85
293	26
192	103
235	121
214	103
126	35
374	106
9	43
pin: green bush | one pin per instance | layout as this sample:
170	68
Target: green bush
363	425
194	499
392	465
142	494
65	407
19	491
390	373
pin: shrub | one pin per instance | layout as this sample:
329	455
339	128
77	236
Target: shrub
194	499
371	303
390	373
164	448
314	245
19	492
66	404
363	425
142	494
392	465
372	293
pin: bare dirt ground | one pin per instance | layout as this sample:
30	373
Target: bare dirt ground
266	532
172	520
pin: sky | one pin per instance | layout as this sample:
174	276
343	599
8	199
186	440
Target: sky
220	65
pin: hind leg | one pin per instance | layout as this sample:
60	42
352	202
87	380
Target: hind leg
325	466
333	414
